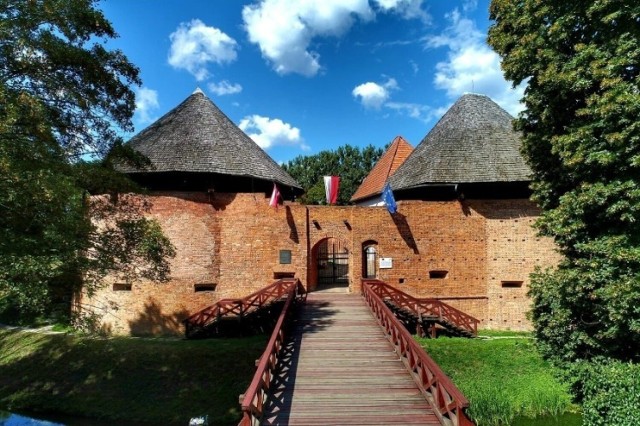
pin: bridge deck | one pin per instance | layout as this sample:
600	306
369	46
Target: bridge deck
339	369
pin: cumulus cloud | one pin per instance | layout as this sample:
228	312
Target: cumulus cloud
146	105
472	66
408	9
267	132
374	95
225	88
284	29
194	45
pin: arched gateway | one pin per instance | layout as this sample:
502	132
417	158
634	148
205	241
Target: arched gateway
331	258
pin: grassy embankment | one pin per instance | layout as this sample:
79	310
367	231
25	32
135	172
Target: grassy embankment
503	377
155	381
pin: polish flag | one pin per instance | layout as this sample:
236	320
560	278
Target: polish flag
331	184
275	195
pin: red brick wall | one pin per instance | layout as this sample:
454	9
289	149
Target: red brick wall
513	251
234	240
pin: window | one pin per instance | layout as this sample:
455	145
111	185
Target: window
511	284
200	287
438	274
121	287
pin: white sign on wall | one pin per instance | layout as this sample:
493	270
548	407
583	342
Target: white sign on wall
386	263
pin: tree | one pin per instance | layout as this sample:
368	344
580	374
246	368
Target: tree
64	98
581	136
351	164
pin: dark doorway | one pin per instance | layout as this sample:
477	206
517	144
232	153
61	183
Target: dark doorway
332	258
369	260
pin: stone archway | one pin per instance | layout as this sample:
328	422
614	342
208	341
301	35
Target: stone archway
331	263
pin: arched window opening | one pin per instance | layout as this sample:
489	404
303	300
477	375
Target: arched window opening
369	260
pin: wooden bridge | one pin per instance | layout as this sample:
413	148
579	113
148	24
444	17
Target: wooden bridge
346	360
340	369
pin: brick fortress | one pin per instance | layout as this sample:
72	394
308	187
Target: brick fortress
463	231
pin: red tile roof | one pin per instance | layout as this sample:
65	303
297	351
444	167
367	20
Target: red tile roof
373	184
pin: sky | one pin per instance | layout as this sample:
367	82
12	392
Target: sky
302	76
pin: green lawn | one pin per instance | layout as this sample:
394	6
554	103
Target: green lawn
503	377
157	381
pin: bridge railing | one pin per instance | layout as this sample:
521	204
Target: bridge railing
238	307
252	402
425	307
448	403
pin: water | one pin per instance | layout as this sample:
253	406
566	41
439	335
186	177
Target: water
13	419
563	420
10	419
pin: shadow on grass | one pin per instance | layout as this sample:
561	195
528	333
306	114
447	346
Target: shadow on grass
136	381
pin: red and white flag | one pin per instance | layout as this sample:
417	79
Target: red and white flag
275	195
331	184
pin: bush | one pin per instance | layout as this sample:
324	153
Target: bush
610	392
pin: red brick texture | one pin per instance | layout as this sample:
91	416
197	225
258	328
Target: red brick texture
234	241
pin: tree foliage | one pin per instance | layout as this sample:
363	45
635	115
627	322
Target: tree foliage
581	137
64	96
351	164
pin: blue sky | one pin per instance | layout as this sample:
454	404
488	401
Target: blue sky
300	76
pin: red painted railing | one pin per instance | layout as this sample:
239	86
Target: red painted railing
254	399
431	309
238	307
447	401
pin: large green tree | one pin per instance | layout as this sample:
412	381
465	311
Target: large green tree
65	97
580	61
351	164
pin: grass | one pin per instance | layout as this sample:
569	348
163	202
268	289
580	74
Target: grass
153	381
502	378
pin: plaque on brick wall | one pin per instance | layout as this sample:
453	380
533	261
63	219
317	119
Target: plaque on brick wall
285	257
386	263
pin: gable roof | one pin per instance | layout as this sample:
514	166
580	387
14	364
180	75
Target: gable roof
197	137
474	142
394	156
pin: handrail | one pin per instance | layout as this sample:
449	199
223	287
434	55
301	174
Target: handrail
240	306
447	401
253	400
429	307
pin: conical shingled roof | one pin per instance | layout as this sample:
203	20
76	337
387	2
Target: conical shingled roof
474	142
394	156
196	137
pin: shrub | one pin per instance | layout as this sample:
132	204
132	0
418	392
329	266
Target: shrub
610	392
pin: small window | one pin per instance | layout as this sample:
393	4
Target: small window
121	287
285	257
438	274
200	287
512	284
281	275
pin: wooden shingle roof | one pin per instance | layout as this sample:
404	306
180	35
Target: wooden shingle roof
196	137
474	142
373	184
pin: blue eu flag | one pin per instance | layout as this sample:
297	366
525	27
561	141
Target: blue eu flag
387	197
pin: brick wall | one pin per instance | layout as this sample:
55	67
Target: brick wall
234	241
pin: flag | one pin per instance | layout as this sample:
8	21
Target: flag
331	184
275	195
389	200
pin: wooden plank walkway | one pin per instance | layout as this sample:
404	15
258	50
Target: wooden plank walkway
339	369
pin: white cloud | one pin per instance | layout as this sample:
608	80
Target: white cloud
374	95
146	105
408	9
471	66
417	111
285	29
225	88
194	45
267	132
